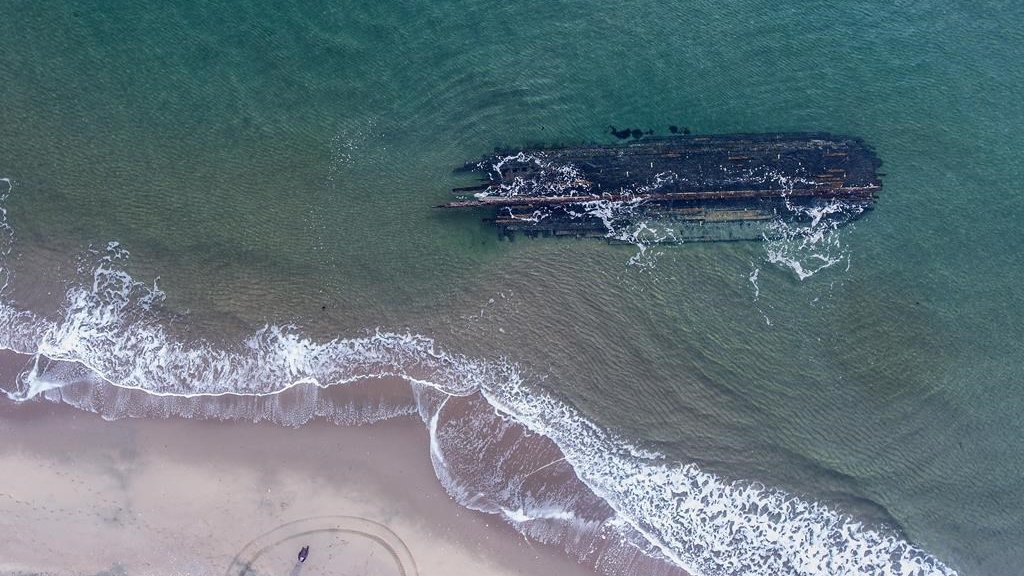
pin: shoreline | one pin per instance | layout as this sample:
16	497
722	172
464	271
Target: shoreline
83	495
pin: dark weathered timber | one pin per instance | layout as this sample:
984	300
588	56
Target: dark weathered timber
695	180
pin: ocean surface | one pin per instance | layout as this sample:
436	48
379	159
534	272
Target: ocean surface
225	210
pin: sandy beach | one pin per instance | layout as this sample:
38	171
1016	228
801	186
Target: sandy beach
81	495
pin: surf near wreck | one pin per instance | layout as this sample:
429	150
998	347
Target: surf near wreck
699	188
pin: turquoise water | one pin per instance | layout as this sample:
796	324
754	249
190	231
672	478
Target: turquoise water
277	163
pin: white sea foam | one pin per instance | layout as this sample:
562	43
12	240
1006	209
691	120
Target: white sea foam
813	241
624	220
546	177
705	524
519	515
804	239
108	326
753	280
110	338
6	234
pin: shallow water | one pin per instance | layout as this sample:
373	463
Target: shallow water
275	164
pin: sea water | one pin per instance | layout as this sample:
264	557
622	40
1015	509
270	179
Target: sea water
224	211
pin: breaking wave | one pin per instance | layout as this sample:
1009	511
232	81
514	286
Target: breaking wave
499	441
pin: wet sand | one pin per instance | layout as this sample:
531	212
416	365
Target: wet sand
80	495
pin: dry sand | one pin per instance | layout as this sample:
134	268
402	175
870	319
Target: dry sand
80	495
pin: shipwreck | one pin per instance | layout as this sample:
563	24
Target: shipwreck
722	187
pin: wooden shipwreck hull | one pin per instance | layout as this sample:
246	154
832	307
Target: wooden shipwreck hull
726	187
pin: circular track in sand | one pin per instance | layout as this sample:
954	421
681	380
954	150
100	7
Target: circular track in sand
337	545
